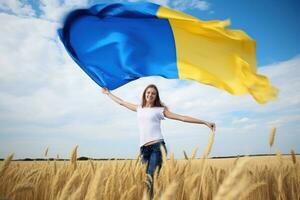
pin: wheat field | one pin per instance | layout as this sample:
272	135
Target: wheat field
250	178
267	177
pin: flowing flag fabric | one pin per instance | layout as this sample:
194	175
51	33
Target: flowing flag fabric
118	43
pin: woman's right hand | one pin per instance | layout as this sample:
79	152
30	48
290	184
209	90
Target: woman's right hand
105	91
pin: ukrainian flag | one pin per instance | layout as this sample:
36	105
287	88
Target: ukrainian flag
118	43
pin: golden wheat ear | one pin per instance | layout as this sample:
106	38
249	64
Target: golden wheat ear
74	157
293	156
6	164
46	152
209	145
272	137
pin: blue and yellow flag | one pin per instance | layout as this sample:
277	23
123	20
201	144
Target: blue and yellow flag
118	43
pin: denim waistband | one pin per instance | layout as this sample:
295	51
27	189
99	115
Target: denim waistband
151	145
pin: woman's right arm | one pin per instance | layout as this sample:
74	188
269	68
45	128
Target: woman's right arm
120	101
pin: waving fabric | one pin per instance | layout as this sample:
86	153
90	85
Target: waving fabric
118	43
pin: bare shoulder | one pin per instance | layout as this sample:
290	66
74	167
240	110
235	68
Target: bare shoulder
167	112
130	106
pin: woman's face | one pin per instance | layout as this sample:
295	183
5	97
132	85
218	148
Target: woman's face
150	95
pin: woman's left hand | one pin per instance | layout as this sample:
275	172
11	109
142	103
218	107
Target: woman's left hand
212	126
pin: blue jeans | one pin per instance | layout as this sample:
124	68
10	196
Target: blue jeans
152	156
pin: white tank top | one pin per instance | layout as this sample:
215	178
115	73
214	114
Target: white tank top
149	123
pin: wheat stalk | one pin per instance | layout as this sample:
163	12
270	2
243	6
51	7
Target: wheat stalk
54	167
46	152
6	164
194	153
293	155
170	191
250	189
22	188
94	191
185	155
233	179
138	158
272	137
280	186
92	166
106	188
209	145
163	153
71	186
128	194
80	192
74	157
145	195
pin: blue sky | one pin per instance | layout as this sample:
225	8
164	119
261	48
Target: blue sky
47	101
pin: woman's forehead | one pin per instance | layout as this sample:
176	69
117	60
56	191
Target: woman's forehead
151	89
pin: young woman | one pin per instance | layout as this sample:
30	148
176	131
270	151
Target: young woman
150	113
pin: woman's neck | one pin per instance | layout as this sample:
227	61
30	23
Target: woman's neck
149	105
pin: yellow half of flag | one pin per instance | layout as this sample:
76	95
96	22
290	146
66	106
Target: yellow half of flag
209	53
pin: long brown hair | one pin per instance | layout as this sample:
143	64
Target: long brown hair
157	102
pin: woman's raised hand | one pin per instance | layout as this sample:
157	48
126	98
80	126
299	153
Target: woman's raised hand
212	126
105	91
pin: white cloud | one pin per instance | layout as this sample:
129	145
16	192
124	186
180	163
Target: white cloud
37	76
55	10
240	120
159	2
17	7
182	4
190	4
285	76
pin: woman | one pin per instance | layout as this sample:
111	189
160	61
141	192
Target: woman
149	114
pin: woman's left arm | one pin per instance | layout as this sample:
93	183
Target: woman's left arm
182	118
